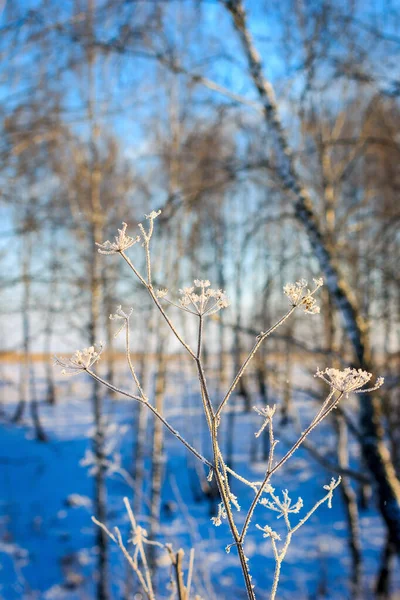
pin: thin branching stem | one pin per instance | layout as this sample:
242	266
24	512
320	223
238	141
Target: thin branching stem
219	469
190	573
221	478
138	275
320	416
128	358
261	338
150	289
117	539
155	412
280	556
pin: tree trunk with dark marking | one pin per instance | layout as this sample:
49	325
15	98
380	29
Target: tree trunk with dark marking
374	451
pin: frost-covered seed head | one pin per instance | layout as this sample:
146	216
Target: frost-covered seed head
204	302
122	242
285	506
348	380
268	532
300	295
202	283
80	361
153	215
120	314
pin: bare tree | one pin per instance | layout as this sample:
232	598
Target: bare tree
374	450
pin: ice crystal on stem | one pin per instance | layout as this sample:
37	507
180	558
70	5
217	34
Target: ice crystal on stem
153	215
138	536
331	487
267	413
81	360
121	314
268	532
122	242
217	521
300	295
148	234
348	380
234	501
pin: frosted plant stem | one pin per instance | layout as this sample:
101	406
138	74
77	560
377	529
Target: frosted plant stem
218	466
138	275
179	576
253	484
131	367
272	444
148	588
148	261
133	563
244	366
150	289
140	545
320	416
190	573
155	412
277	574
280	556
221	478
313	509
203	384
146	567
145	402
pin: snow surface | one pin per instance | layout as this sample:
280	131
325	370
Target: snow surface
47	544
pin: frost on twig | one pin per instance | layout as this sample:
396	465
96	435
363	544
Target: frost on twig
81	360
139	562
146	235
268	532
122	242
221	514
283	507
348	380
331	487
121	315
267	413
300	295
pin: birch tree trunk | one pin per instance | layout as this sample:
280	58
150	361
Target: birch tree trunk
157	457
100	499
374	450
96	220
140	425
25	363
50	321
350	501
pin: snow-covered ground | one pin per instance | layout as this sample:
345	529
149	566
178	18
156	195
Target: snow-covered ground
47	545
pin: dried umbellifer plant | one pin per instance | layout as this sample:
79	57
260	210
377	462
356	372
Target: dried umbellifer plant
201	301
139	563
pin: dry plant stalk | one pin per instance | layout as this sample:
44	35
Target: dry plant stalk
139	563
201	301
